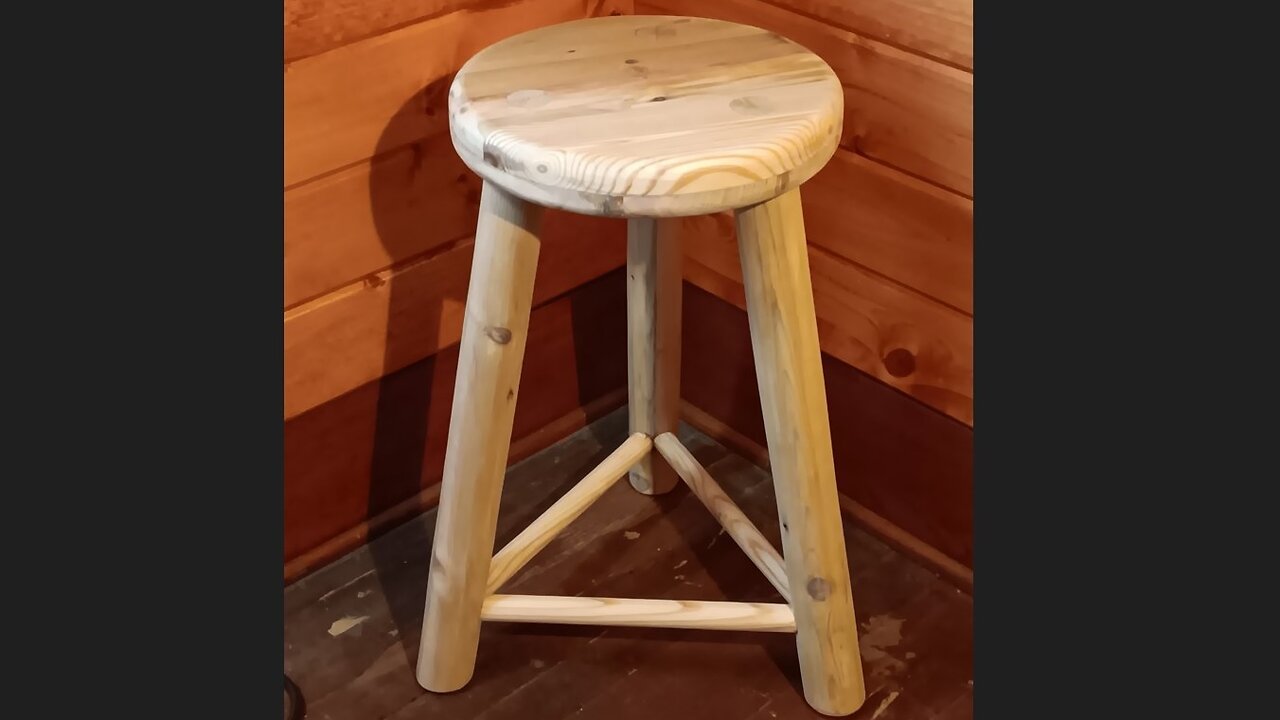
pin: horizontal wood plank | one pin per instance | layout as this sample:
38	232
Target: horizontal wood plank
941	29
370	216
901	109
903	338
918	234
386	321
378	94
314	26
355	457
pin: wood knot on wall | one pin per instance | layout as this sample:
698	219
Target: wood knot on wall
900	362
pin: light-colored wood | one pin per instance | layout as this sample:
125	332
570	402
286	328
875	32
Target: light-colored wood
499	299
646	115
373	96
888	331
508	561
784	341
626	612
654	280
902	109
739	527
385	321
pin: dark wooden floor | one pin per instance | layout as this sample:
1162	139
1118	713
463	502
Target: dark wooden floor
351	628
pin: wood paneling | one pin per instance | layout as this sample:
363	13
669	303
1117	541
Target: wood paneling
904	461
314	26
901	109
386	321
378	94
895	225
413	194
941	29
369	449
890	332
365	218
379	215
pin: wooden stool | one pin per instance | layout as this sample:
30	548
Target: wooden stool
647	118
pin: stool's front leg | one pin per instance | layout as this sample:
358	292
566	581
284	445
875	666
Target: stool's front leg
784	339
494	329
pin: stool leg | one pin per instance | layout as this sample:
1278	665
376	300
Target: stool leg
784	339
653	342
494	329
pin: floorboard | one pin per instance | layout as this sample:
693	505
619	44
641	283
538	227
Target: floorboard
352	627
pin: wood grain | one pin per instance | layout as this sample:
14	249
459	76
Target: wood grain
784	343
901	109
940	29
626	612
894	334
315	26
758	548
378	94
903	460
515	554
645	116
490	357
368	217
654	283
895	225
382	323
362	461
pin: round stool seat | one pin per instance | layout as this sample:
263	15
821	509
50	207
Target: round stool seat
646	115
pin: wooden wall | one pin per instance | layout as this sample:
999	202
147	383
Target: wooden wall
890	231
379	214
890	219
379	218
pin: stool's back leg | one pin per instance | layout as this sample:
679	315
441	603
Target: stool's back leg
784	339
653	342
494	329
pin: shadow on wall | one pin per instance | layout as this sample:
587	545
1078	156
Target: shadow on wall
409	202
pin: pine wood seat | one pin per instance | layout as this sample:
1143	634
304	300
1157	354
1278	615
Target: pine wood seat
649	118
646	115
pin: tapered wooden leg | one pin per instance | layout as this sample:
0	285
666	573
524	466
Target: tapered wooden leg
494	330
784	339
653	342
